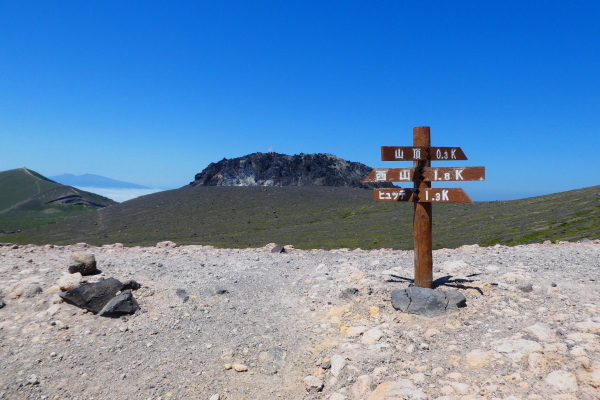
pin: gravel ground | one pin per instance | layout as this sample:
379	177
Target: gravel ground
262	325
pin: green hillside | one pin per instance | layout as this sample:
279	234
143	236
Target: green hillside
321	217
17	185
28	200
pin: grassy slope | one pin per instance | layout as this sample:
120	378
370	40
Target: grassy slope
320	217
23	197
20	184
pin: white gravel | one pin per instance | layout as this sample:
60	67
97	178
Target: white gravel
257	324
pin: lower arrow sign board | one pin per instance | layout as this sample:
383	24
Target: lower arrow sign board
430	174
432	195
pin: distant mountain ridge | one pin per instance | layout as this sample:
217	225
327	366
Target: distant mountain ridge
94	181
274	169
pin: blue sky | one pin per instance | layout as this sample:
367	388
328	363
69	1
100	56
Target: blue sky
151	92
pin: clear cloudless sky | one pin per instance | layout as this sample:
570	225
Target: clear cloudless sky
151	92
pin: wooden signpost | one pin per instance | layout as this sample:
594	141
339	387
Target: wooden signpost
422	194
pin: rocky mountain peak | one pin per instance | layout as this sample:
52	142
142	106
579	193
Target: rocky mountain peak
274	169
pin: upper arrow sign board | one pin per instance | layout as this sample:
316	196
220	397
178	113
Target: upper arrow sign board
429	195
429	174
404	153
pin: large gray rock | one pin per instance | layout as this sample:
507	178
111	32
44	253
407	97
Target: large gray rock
273	169
85	264
93	296
427	302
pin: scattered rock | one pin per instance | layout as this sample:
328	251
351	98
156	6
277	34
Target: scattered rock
349	293
240	367
274	359
218	291
131	285
478	358
563	381
278	249
167	244
371	336
313	384
516	348
427	302
182	294
85	264
400	389
361	386
337	364
69	281
31	290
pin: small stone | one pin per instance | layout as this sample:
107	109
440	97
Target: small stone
2	303
349	293
478	358
182	294
166	244
32	379
131	285
31	290
278	249
85	264
218	291
228	366
540	332
371	336
240	367
400	389
563	381
313	384
337	364
361	386
69	281
424	346
526	288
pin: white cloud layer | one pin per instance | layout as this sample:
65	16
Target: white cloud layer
120	195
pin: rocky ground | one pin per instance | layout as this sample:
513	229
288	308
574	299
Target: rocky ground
304	325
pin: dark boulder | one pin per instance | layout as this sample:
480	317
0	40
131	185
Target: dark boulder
123	303
93	296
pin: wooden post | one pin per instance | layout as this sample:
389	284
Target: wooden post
423	216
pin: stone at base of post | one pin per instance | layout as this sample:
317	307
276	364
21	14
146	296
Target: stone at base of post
427	302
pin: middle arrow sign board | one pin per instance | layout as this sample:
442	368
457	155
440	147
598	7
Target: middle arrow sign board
429	174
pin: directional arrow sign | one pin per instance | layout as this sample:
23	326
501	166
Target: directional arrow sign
429	174
430	195
404	153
